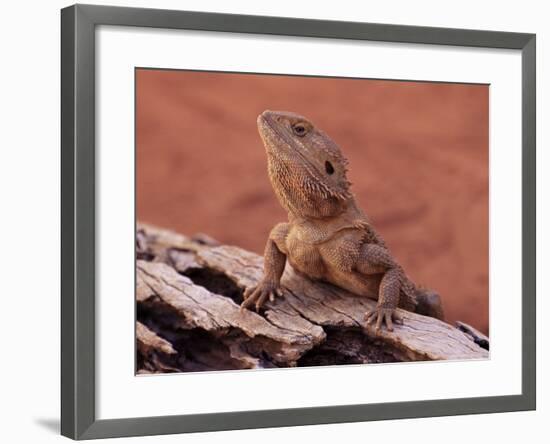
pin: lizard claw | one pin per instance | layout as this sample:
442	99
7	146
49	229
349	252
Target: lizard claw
258	295
383	315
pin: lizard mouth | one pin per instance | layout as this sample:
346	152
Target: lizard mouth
267	127
275	137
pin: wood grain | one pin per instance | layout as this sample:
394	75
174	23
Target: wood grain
188	295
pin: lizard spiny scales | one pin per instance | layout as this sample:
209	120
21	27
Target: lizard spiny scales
327	236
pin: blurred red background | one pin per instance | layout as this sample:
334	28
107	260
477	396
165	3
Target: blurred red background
418	163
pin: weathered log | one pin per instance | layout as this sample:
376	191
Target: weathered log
153	351
188	295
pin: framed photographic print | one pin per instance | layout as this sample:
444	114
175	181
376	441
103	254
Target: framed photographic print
274	221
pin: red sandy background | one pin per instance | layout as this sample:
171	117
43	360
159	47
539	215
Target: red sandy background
418	163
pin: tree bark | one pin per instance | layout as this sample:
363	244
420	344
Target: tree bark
188	317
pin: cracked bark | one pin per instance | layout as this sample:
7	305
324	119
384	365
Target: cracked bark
188	292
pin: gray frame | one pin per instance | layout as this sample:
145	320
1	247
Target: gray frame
78	23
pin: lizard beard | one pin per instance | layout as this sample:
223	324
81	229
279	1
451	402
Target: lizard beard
303	195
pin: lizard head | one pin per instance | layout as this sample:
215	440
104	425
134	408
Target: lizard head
306	168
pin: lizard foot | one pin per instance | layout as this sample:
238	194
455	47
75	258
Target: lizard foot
259	294
383	315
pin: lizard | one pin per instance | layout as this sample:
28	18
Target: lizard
327	236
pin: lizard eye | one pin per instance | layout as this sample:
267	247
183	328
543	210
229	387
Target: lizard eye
299	129
329	168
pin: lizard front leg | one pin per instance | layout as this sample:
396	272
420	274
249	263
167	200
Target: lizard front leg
388	299
274	265
375	259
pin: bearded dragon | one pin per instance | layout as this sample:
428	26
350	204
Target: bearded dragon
327	236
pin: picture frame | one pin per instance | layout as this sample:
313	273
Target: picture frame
78	216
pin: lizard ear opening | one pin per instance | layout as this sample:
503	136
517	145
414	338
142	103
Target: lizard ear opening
329	168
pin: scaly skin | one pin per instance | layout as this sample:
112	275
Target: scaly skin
327	236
